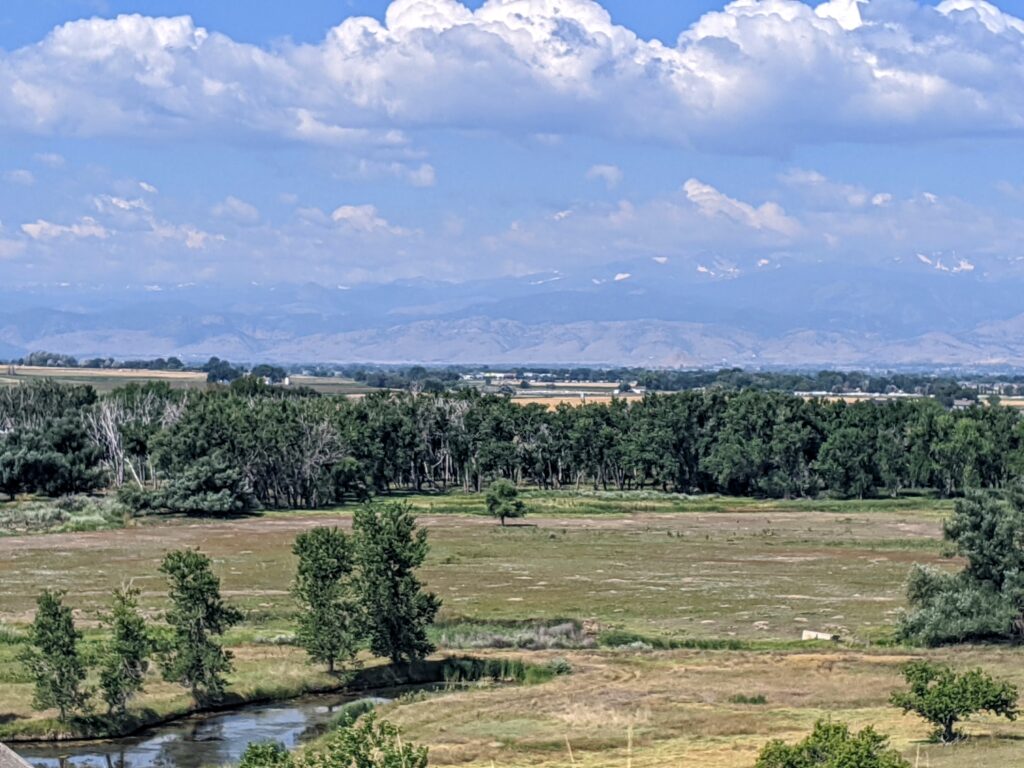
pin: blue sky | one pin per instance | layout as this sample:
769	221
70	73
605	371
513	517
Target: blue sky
360	140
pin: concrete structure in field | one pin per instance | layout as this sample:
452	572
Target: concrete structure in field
10	760
809	635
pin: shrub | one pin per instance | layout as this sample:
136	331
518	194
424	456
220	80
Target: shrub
371	743
740	698
351	711
832	745
266	755
943	697
560	666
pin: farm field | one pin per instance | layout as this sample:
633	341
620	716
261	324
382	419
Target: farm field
106	379
575	399
331	385
708	572
103	379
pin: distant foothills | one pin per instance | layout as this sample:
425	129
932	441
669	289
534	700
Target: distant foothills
638	313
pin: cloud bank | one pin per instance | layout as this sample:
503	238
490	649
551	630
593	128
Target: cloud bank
758	76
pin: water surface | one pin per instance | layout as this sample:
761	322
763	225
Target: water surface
198	742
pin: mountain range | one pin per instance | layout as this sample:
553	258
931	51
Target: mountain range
644	312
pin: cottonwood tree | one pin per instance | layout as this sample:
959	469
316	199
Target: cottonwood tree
328	615
503	501
198	615
126	659
985	601
123	424
53	659
396	610
945	697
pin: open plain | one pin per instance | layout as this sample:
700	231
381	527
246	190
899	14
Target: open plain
693	607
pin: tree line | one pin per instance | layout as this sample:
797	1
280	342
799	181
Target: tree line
353	591
232	449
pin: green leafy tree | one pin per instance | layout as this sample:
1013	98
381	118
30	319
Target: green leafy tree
197	616
126	660
503	501
396	610
989	533
985	601
832	745
945	697
53	660
328	619
953	608
210	485
846	462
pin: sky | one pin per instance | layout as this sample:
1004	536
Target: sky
352	141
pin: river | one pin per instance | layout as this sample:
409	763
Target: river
217	739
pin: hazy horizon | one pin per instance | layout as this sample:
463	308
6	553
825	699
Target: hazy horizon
764	182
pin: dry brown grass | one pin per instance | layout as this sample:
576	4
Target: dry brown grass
677	706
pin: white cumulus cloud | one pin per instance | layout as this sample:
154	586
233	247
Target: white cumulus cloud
711	202
50	159
237	210
759	75
47	230
20	176
611	175
363	219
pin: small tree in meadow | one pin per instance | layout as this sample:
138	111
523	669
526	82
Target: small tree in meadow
396	611
503	501
53	660
126	660
945	697
328	619
198	614
832	745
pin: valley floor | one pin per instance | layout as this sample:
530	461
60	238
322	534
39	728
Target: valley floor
649	570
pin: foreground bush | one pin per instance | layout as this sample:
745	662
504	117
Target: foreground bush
943	697
371	743
831	745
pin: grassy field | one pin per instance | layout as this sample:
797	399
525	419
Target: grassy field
332	385
661	570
